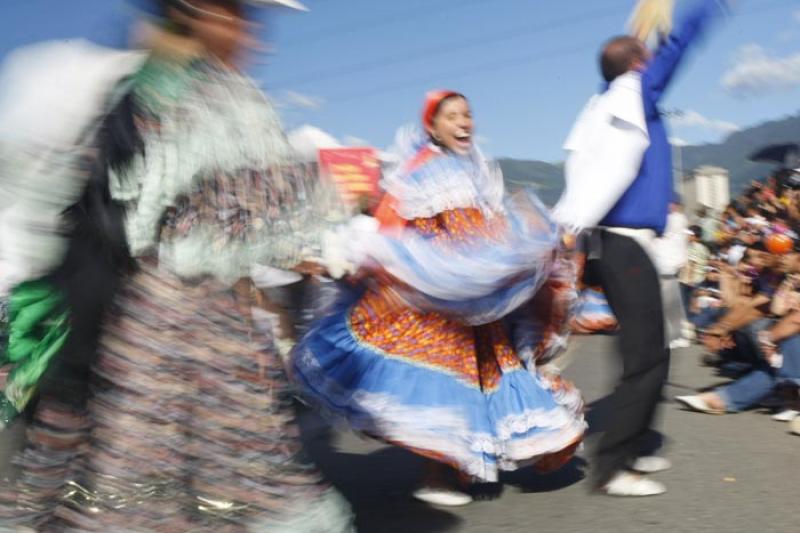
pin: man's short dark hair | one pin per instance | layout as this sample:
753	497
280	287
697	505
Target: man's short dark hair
619	55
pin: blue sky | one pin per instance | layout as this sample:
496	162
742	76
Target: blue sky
359	68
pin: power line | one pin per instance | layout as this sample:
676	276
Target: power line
378	22
441	49
479	69
437	50
494	65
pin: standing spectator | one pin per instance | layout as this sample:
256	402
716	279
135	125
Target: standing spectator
709	224
671	256
694	272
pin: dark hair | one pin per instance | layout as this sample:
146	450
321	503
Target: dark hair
618	56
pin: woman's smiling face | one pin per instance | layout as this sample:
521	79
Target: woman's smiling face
452	126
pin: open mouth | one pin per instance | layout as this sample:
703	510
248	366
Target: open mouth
465	138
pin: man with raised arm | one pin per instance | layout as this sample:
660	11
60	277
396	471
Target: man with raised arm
618	190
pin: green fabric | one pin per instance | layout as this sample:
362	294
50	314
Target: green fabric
38	327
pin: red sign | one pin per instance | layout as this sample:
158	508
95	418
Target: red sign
355	171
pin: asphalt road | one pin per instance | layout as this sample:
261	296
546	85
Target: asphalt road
732	473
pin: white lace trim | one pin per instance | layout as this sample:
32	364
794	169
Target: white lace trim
445	429
448	182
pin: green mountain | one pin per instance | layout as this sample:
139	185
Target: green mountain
546	178
734	151
731	154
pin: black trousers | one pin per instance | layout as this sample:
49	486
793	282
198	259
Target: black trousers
631	285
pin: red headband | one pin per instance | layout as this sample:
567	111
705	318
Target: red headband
432	101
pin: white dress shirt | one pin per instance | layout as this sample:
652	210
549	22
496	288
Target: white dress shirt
606	148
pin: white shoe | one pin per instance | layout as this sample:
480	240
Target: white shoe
678	344
628	484
651	464
794	426
696	403
443	497
787	415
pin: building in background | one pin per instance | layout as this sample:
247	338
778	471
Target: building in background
706	186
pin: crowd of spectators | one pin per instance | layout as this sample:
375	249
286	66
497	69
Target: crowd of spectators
741	292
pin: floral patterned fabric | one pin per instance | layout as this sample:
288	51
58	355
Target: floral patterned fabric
398	360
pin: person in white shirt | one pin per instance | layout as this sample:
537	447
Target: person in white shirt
619	186
671	255
694	270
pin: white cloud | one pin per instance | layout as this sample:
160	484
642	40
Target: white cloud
293	99
693	119
755	71
352	140
678	142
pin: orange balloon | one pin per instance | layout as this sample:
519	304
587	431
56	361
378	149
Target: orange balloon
777	243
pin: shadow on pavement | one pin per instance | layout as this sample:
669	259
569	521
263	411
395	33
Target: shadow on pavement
377	484
528	480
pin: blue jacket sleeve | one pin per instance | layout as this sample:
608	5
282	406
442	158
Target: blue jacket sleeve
691	27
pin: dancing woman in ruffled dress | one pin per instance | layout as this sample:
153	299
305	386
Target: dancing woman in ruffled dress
437	348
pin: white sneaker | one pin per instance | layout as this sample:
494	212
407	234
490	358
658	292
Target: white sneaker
628	484
696	403
678	344
443	497
651	464
787	415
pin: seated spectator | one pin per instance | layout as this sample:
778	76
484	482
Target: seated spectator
706	305
747	292
775	295
780	346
